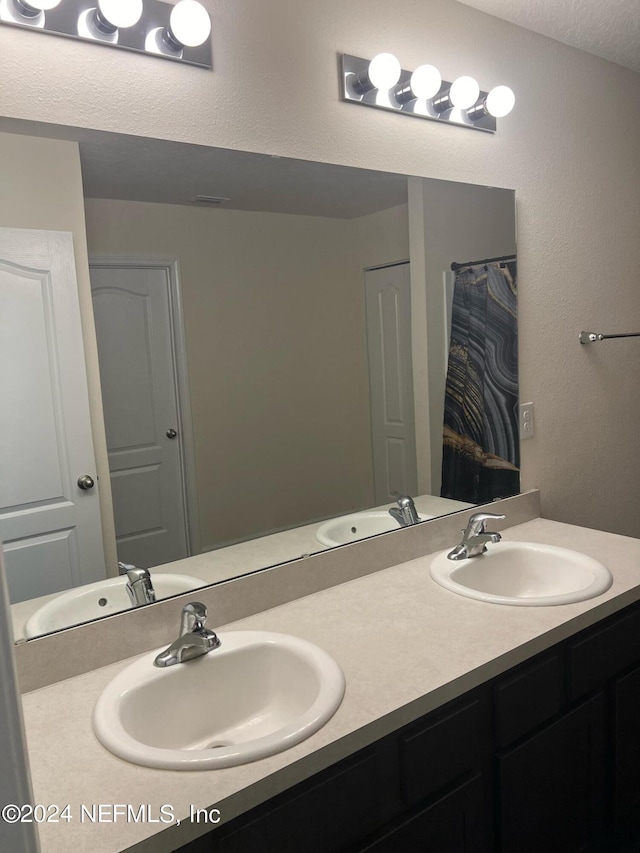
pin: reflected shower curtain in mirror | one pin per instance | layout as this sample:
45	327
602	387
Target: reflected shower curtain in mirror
481	447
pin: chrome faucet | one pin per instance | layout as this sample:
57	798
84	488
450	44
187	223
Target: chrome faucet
195	638
475	536
139	587
405	513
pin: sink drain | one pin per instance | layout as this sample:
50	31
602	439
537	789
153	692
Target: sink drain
218	744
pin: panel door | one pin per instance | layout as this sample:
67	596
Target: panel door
388	312
50	527
132	308
457	822
551	786
626	749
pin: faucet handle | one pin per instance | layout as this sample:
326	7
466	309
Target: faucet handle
478	522
194	618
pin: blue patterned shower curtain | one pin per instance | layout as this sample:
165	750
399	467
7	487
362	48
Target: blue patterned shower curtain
481	447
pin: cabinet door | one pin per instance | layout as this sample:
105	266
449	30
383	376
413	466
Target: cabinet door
327	814
626	753
601	653
445	747
457	822
551	786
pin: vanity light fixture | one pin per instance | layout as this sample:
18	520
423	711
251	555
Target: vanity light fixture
498	103
178	32
105	21
29	14
189	26
116	14
423	85
423	93
462	94
382	73
38	5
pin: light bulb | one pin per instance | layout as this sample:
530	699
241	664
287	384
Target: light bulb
464	92
425	82
190	23
500	101
384	71
121	13
42	5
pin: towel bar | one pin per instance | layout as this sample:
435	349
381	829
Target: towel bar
592	337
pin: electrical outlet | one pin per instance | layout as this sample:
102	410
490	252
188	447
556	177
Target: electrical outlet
527	428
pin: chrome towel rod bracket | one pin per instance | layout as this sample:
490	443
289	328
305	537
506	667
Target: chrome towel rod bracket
592	337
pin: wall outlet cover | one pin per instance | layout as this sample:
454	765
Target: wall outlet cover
527	427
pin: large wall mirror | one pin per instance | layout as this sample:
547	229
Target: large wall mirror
282	346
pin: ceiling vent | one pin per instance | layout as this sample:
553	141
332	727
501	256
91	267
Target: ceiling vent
211	199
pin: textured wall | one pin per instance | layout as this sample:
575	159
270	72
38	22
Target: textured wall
569	150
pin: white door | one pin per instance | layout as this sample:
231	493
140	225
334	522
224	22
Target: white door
388	311
132	307
49	525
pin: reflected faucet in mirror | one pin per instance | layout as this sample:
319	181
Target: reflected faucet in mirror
139	586
405	513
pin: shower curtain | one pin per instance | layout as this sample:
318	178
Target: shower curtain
481	447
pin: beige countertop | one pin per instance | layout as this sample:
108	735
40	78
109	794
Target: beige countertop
405	644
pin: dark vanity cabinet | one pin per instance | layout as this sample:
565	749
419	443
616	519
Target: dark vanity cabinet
444	782
546	757
606	659
428	783
550	787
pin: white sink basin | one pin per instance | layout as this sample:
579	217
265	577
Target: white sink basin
257	694
358	525
523	573
83	603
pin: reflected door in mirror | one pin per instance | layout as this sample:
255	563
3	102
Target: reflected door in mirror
133	312
388	311
49	524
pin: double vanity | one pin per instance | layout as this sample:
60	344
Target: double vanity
459	700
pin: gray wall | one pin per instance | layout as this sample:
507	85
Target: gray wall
276	348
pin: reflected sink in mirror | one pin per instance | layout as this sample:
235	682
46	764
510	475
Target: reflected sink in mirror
523	573
257	694
93	600
358	525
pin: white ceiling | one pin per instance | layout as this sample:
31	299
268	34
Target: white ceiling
135	168
607	28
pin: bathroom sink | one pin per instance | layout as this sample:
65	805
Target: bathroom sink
257	694
358	525
523	573
83	603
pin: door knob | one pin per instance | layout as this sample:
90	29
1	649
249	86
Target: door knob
85	482
171	433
